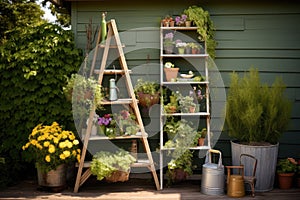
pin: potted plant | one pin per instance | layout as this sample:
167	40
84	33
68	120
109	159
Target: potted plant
205	26
168	43
84	93
181	135
256	116
147	92
113	167
286	169
201	136
167	21
180	46
170	108
83	89
51	148
195	48
179	168
104	122
187	104
171	71
181	20
118	124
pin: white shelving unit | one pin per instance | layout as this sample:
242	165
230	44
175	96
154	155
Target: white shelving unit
198	64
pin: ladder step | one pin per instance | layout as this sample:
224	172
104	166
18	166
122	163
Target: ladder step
119	101
139	163
137	136
112	71
111	46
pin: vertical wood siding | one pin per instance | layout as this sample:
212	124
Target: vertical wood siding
261	34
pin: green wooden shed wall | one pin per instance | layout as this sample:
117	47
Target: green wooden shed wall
262	34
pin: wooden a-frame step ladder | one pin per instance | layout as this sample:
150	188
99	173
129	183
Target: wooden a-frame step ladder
112	33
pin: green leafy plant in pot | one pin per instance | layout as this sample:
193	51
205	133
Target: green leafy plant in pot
205	27
83	93
181	136
147	92
256	116
112	166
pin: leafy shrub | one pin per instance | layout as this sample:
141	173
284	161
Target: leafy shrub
256	112
34	65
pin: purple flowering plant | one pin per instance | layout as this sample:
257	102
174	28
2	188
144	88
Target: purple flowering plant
180	20
105	120
168	39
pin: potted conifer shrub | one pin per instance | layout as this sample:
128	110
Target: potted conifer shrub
256	116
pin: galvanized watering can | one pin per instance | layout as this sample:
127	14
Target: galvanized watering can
213	177
113	90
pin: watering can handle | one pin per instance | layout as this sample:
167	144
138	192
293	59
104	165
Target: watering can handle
217	152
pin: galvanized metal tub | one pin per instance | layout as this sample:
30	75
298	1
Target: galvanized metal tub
213	178
53	178
266	163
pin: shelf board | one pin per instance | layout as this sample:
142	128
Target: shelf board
119	101
183	28
191	148
184	82
187	114
185	55
112	71
139	163
137	136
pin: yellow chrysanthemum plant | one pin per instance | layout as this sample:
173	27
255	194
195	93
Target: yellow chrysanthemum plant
51	146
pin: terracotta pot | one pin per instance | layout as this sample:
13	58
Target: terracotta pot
171	74
147	100
172	109
192	109
179	175
194	51
285	180
201	141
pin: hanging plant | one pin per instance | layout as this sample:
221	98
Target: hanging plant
205	26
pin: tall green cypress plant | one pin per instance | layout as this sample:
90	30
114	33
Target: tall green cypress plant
256	112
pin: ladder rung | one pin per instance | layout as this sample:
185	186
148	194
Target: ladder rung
119	101
137	136
139	163
85	164
111	46
111	71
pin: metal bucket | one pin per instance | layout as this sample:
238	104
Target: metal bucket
213	178
53	178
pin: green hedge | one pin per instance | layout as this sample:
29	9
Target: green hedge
34	65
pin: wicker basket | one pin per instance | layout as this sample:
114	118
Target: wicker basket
118	176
